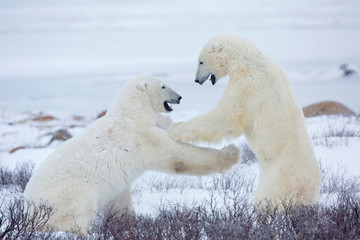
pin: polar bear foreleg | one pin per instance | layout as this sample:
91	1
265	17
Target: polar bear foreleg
210	127
193	160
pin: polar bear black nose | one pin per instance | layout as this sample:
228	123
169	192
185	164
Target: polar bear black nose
197	80
180	98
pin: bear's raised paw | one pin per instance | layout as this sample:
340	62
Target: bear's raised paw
232	156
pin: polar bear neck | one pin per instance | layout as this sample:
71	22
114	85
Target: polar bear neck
246	60
132	105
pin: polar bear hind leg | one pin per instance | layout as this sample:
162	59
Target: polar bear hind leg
74	214
121	204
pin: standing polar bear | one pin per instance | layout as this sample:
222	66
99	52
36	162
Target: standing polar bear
94	170
259	103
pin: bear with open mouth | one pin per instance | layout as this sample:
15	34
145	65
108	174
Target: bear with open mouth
94	170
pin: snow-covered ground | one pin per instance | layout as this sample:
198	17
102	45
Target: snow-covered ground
69	58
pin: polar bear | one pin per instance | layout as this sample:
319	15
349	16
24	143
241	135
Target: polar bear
259	103
94	170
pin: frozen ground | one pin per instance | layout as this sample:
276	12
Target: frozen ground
68	59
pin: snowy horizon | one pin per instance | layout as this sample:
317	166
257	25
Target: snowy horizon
72	58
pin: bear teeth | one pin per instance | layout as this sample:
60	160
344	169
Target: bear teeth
168	106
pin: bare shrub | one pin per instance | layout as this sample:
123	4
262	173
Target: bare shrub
117	227
19	177
233	221
238	219
236	183
334	136
18	222
6	177
23	174
339	182
227	213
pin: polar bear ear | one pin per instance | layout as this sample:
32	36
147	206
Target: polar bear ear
142	86
216	47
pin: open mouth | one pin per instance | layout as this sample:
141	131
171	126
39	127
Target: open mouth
168	106
212	78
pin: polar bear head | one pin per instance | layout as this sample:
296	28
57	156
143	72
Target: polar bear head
157	93
222	55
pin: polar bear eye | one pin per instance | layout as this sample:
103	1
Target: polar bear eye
201	63
163	87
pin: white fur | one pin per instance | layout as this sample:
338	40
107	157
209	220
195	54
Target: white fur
94	170
258	102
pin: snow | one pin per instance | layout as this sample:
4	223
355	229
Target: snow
69	58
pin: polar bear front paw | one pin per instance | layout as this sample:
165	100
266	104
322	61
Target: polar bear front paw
232	156
179	132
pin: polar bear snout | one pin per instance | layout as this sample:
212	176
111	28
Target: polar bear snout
210	77
205	73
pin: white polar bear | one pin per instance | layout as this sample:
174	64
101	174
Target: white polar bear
94	170
259	103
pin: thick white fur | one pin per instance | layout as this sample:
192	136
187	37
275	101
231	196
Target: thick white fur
94	170
259	103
